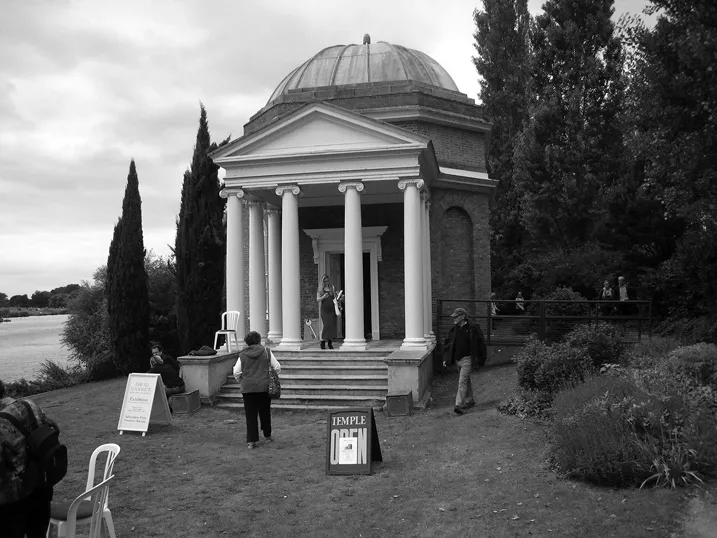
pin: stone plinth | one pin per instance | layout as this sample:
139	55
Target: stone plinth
207	374
411	370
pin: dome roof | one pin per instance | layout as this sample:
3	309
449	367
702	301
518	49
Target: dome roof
355	64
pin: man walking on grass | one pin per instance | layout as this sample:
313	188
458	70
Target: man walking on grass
464	345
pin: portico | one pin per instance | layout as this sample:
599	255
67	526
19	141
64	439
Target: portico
320	157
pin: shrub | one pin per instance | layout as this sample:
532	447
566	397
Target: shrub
602	343
527	404
550	368
610	431
52	376
647	353
86	332
689	330
697	362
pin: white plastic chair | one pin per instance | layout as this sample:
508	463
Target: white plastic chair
230	329
97	502
84	511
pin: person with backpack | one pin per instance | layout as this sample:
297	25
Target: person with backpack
32	461
466	348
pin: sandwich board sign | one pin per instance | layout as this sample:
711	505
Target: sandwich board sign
144	403
351	442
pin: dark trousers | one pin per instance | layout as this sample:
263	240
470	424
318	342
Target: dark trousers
257	403
28	517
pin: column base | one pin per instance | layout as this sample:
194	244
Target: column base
354	345
291	345
414	343
274	337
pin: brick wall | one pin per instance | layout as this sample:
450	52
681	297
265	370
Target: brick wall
468	212
454	147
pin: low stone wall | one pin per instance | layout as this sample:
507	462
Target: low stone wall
207	374
411	370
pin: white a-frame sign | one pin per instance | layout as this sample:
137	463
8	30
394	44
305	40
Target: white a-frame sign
144	403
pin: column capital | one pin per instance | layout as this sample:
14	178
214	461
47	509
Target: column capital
226	193
281	189
406	182
271	210
358	185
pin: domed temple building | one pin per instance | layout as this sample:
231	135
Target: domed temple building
367	164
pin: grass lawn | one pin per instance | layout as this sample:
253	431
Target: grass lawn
480	474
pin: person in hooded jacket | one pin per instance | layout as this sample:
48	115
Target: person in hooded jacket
252	372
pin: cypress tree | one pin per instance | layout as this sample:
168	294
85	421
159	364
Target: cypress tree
502	62
126	288
200	247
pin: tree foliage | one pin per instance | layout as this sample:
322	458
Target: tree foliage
502	54
569	154
86	332
126	285
614	168
200	247
163	302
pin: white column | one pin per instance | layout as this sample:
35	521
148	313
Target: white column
235	250
412	259
425	256
290	269
274	231
257	272
353	266
429	272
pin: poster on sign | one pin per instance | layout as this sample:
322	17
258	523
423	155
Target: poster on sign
351	442
144	403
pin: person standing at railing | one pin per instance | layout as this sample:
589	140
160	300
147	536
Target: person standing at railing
519	304
624	296
463	346
606	294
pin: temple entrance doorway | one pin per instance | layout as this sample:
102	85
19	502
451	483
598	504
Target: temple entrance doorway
335	269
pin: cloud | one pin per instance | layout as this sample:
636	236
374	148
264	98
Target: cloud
87	85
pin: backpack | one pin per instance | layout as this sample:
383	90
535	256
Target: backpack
46	456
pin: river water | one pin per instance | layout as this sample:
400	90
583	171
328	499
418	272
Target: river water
25	343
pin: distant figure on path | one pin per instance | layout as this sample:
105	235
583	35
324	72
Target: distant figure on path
24	509
325	295
606	294
463	346
520	304
252	372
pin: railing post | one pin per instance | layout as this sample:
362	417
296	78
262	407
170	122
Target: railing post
541	321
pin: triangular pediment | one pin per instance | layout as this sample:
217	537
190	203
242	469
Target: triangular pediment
318	128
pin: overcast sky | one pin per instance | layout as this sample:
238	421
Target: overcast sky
87	85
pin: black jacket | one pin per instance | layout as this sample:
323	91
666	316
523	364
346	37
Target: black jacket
479	352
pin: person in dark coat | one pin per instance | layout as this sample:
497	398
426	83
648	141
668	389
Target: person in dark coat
464	346
24	509
252	372
157	351
173	384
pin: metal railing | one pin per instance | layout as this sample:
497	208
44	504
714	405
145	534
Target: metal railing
549	320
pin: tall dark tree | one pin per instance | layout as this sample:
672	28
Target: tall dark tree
126	287
569	155
502	46
200	247
672	135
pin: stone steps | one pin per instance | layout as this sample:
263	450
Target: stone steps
322	380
